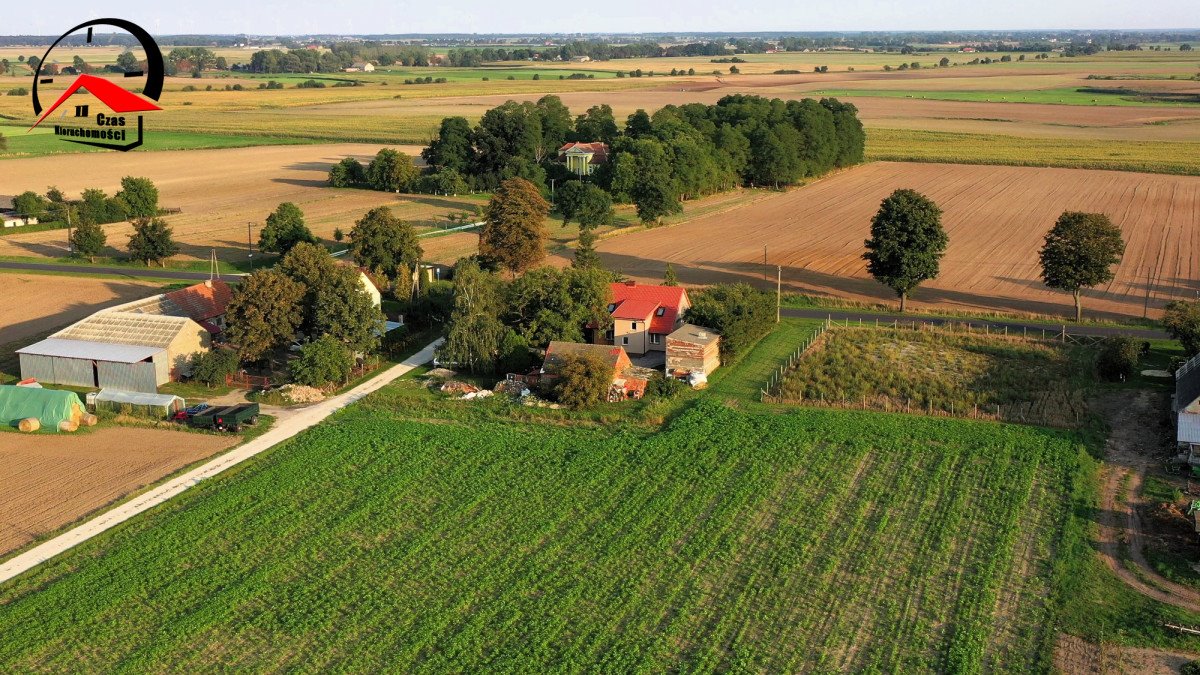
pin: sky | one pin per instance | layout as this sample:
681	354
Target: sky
299	17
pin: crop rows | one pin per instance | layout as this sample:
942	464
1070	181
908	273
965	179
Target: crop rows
815	539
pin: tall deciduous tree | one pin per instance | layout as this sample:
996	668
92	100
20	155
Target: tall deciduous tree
585	203
152	241
263	313
322	362
1080	252
907	242
311	266
452	149
88	240
383	243
597	124
514	231
345	312
285	227
556	125
654	193
475	331
391	171
140	197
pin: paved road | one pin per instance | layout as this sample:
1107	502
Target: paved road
285	429
156	272
996	326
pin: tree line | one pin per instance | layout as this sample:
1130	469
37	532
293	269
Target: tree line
655	161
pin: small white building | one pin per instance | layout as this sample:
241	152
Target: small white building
361	67
12	220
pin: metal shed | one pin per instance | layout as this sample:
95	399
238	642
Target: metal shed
136	403
81	363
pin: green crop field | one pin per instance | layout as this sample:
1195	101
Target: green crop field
736	536
43	142
1099	94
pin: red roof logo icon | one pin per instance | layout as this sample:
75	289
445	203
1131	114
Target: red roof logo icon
113	96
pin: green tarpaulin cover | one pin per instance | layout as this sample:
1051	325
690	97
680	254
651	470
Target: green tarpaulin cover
50	406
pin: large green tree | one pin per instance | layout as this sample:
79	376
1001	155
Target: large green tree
514	231
556	126
597	124
508	138
585	203
907	242
310	266
322	362
152	241
140	197
346	313
347	173
475	331
88	240
383	243
654	193
392	171
1080	252
452	148
547	303
263	313
285	227
739	313
30	204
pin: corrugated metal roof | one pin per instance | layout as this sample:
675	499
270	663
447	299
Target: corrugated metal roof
1187	383
1188	428
95	351
137	398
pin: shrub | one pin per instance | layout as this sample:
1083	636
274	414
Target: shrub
18	91
661	386
311	84
582	381
321	362
739	313
210	368
1190	668
1118	359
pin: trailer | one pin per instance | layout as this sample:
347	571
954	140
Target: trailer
225	418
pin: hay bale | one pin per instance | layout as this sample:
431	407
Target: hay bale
68	425
89	420
29	424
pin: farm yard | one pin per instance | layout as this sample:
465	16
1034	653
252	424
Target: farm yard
676	549
51	480
996	218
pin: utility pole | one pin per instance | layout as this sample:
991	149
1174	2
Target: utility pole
778	292
250	244
70	242
551	190
765	264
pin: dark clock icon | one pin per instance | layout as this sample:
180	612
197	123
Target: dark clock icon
120	99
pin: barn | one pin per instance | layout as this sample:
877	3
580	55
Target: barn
692	349
129	351
1187	406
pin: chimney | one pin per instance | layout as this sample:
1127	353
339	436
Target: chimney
630	282
208	283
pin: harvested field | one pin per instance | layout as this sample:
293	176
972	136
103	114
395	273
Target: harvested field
996	217
51	480
219	191
39	303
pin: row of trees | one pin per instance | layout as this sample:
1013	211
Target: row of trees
656	161
137	198
907	244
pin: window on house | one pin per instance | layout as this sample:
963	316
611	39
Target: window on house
611	307
660	311
608	335
633	325
624	339
656	338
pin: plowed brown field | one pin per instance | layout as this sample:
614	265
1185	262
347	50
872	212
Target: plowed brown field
39	303
51	480
219	192
996	217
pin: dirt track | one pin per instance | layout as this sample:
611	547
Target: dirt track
39	303
53	479
996	218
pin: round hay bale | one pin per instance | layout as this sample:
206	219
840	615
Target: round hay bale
29	424
68	425
89	420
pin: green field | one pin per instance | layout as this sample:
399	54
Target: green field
737	536
910	145
1063	96
43	142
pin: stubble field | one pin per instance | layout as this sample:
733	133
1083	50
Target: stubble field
52	479
219	192
996	218
39	303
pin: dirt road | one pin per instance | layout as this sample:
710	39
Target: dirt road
1132	448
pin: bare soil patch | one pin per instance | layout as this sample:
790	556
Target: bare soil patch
997	218
51	480
40	303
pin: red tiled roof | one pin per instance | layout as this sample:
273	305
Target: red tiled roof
611	355
599	150
634	309
204	301
670	298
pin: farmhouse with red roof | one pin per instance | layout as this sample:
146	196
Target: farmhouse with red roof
643	316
